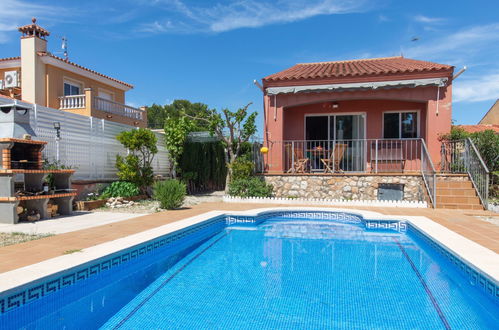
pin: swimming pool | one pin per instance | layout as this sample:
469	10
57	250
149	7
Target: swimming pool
277	270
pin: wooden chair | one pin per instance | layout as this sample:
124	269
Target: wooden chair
332	164
300	164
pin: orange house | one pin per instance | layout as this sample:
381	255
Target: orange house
39	77
368	115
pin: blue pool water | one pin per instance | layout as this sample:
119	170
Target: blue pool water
279	274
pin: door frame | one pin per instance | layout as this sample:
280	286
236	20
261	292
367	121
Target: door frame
329	115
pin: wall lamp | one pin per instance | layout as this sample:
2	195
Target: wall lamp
57	127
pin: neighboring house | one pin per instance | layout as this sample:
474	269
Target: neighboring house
492	116
357	103
39	77
479	128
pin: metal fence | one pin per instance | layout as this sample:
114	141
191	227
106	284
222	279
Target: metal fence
87	144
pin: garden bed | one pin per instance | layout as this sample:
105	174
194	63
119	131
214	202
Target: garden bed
92	205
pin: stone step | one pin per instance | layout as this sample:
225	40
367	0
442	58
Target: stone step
454	184
457	199
470	192
459	206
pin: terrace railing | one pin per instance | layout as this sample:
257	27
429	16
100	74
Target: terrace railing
361	155
462	156
116	108
478	171
72	102
429	174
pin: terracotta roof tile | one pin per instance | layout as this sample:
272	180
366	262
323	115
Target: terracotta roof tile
84	68
10	58
479	128
354	68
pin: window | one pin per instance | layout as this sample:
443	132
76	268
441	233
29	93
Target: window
71	88
400	125
105	95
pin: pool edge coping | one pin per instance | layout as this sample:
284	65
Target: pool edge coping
475	255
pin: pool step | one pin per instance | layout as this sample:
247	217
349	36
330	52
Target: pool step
457	195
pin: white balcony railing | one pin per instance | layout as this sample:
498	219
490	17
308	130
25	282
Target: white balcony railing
72	102
117	108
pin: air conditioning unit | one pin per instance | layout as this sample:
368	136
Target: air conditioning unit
11	79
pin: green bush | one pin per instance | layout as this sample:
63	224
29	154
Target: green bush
169	193
250	187
242	169
137	166
121	189
202	166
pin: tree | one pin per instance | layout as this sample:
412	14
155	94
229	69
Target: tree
176	131
157	114
136	166
233	128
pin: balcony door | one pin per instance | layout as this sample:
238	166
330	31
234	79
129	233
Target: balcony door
350	129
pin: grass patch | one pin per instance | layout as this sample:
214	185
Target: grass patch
72	251
18	237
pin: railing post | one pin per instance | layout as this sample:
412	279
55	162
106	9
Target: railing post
376	157
293	155
88	101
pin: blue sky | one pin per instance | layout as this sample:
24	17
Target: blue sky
210	51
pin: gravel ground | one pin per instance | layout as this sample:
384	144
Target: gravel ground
493	220
16	238
151	206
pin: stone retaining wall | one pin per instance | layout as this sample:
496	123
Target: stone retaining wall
348	187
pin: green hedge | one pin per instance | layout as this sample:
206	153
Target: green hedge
202	166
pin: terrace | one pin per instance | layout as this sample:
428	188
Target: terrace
96	106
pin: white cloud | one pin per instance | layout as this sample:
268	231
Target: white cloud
477	89
248	14
460	46
14	13
428	20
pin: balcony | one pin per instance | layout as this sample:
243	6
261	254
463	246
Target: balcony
347	156
95	106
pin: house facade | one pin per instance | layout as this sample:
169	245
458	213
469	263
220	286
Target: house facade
380	110
39	77
492	116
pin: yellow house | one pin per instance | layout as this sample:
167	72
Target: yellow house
37	76
492	116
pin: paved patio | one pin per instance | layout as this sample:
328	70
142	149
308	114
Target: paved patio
24	254
66	224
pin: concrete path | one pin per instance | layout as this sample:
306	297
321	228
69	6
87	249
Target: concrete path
66	224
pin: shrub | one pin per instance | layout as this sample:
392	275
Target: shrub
121	189
136	167
169	193
242	169
250	187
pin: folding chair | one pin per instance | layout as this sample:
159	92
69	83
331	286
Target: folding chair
332	164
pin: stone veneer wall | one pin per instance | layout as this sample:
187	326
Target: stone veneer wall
349	187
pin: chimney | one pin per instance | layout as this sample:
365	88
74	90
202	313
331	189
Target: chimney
32	68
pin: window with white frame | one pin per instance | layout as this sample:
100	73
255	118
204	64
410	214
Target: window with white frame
72	88
400	125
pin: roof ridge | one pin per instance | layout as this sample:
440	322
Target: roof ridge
84	68
354	60
10	58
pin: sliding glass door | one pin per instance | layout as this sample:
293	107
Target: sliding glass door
323	132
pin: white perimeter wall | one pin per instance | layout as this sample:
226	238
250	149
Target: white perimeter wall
87	144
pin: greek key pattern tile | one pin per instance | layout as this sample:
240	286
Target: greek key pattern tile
335	216
476	278
399	226
28	293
